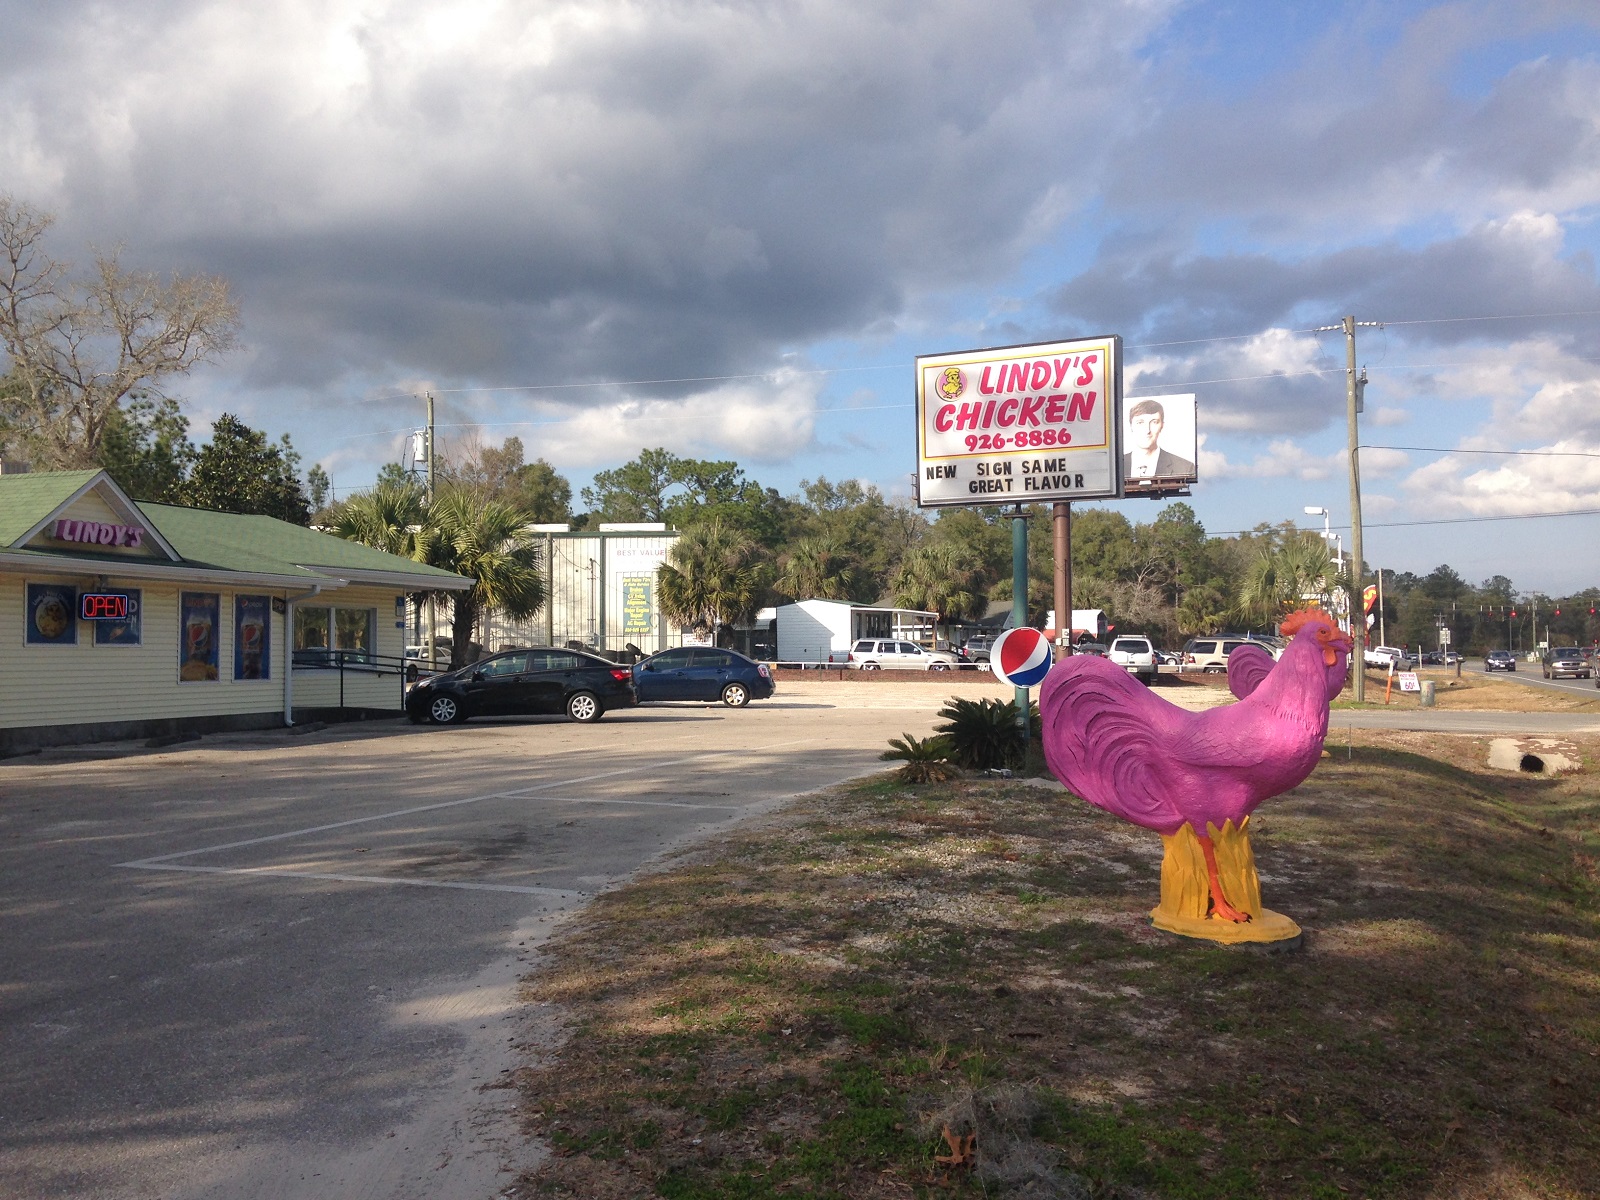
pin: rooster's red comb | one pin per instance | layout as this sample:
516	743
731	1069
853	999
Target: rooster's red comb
1299	619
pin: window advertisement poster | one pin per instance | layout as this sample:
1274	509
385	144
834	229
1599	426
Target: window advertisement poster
636	607
52	615
128	631
1020	424
1160	444
252	637
198	636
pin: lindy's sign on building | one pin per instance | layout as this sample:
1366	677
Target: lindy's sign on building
1020	424
98	533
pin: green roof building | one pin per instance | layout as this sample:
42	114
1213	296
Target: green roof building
121	619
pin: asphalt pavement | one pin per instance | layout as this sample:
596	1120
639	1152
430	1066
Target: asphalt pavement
276	966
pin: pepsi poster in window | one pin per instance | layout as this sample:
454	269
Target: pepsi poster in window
52	615
126	631
252	637
197	636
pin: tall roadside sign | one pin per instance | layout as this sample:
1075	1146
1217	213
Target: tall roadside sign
1022	425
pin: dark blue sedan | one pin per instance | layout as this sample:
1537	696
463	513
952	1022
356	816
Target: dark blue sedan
701	673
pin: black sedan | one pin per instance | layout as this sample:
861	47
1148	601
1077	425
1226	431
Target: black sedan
520	682
701	673
1500	660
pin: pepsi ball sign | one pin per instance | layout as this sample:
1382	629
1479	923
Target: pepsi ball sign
1021	657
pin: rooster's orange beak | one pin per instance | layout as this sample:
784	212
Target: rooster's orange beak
1336	642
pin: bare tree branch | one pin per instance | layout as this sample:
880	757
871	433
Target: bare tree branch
79	348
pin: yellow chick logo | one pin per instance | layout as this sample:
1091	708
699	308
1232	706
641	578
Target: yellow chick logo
952	383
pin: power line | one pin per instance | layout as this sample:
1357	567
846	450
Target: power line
1575	512
1580	312
1534	453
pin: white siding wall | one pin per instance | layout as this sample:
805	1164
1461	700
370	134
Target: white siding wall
813	629
87	684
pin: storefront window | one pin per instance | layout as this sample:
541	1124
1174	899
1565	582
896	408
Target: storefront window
355	628
126	632
311	627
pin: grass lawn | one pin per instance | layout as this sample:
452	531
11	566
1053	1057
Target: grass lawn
803	1008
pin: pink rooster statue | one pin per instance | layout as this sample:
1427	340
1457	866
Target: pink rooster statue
1195	777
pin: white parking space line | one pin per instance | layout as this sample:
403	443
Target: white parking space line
277	873
642	803
165	862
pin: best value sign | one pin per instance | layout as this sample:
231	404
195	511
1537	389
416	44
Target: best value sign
1020	424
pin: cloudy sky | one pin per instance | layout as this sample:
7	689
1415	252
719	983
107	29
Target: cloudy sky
728	228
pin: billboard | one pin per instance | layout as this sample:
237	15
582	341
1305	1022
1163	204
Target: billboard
1020	424
1160	446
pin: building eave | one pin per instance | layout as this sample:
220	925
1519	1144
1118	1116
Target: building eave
401	579
133	568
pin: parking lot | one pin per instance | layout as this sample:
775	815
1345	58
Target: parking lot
273	965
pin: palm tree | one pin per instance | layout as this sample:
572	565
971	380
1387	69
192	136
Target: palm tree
940	580
817	569
390	518
1283	577
489	541
712	577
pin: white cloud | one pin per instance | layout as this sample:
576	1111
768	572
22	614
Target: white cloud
1566	480
758	422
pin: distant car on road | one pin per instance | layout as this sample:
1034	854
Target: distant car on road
522	682
1499	660
1567	660
1095	648
872	654
701	673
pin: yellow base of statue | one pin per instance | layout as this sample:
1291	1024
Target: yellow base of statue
1186	889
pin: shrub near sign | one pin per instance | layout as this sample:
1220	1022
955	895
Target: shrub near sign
1019	423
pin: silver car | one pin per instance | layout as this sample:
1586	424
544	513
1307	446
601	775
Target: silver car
1567	660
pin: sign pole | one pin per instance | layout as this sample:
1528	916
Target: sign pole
1019	602
1063	580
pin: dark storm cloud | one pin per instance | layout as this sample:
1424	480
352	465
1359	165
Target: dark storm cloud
1505	267
1514	266
1380	137
583	191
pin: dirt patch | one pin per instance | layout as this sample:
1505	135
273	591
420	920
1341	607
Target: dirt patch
820	1006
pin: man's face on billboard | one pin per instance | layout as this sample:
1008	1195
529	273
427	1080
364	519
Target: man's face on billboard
1146	431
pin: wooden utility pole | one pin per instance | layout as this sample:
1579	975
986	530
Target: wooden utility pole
1358	566
433	662
1357	562
1063	581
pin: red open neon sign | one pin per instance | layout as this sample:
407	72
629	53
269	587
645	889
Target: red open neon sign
103	606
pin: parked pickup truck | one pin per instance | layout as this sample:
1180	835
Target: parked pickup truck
1136	656
1384	657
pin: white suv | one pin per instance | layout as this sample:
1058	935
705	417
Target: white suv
1135	655
870	654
